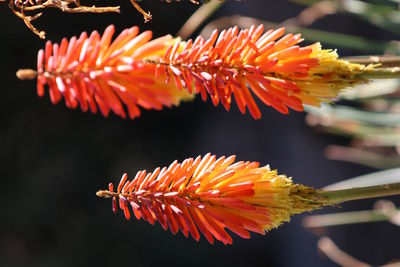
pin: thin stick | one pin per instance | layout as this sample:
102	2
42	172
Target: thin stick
342	218
146	15
198	17
361	156
328	247
384	61
63	5
77	9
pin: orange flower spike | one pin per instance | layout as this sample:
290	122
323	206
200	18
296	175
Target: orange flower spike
210	195
97	73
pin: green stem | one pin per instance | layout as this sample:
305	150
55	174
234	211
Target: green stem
381	73
342	195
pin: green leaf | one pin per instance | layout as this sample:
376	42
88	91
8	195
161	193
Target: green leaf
377	178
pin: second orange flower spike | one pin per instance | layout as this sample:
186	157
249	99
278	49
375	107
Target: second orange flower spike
210	194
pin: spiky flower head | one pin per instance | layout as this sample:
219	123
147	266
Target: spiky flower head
94	72
210	195
270	65
136	71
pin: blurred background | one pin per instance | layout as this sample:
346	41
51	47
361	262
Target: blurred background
53	160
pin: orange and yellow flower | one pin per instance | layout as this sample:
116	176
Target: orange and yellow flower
210	195
270	65
94	71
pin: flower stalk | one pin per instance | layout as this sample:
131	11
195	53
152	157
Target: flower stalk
375	73
213	194
343	195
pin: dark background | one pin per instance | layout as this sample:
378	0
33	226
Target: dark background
53	160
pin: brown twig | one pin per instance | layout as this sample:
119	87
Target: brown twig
20	7
146	15
338	256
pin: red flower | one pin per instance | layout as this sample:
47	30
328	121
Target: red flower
94	71
209	195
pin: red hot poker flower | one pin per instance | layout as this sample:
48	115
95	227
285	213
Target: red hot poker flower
270	65
93	70
208	195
